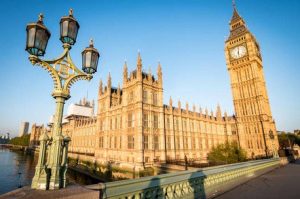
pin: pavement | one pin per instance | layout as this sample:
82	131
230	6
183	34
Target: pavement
71	192
281	183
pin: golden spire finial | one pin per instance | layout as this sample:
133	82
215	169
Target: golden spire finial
41	17
71	12
233	4
91	42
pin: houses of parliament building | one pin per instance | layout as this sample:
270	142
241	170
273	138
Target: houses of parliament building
132	125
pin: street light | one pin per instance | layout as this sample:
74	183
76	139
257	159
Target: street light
37	37
271	135
68	29
51	173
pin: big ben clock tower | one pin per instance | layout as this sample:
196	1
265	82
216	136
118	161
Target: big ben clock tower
256	127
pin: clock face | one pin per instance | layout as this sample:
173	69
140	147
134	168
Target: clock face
238	52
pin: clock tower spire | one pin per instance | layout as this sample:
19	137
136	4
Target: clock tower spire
256	127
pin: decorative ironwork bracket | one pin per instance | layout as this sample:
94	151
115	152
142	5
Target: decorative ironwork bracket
63	72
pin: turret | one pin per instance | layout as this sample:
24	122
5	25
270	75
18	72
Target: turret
171	102
139	66
187	107
100	87
119	94
225	116
93	107
159	74
109	89
109	82
125	72
218	112
149	74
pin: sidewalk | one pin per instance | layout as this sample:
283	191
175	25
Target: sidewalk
281	183
71	192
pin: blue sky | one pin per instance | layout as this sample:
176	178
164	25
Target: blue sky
187	37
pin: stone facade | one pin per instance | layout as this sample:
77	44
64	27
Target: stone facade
133	127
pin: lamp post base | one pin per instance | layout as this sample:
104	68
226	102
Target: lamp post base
41	180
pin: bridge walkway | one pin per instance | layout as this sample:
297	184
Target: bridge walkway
281	183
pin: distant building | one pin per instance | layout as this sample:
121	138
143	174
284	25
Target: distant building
4	138
84	108
36	131
24	127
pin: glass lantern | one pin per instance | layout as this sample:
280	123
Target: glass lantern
68	29
90	57
37	37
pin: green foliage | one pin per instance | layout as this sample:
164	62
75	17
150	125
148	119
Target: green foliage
287	140
226	154
21	141
147	172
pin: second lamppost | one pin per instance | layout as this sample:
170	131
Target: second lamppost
51	170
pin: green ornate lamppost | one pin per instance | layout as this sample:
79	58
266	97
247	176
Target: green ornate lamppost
50	172
272	137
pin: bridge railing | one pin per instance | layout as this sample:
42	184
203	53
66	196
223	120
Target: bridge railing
198	183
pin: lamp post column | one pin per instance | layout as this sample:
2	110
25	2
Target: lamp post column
57	145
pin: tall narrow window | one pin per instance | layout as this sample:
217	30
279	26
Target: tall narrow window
169	142
129	120
193	143
120	122
110	141
146	142
130	142
145	96
168	123
155	121
130	97
115	142
145	120
156	142
101	142
155	102
101	125
177	142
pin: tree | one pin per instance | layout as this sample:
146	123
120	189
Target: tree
227	153
22	141
288	140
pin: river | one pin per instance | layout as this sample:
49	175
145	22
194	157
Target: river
17	170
